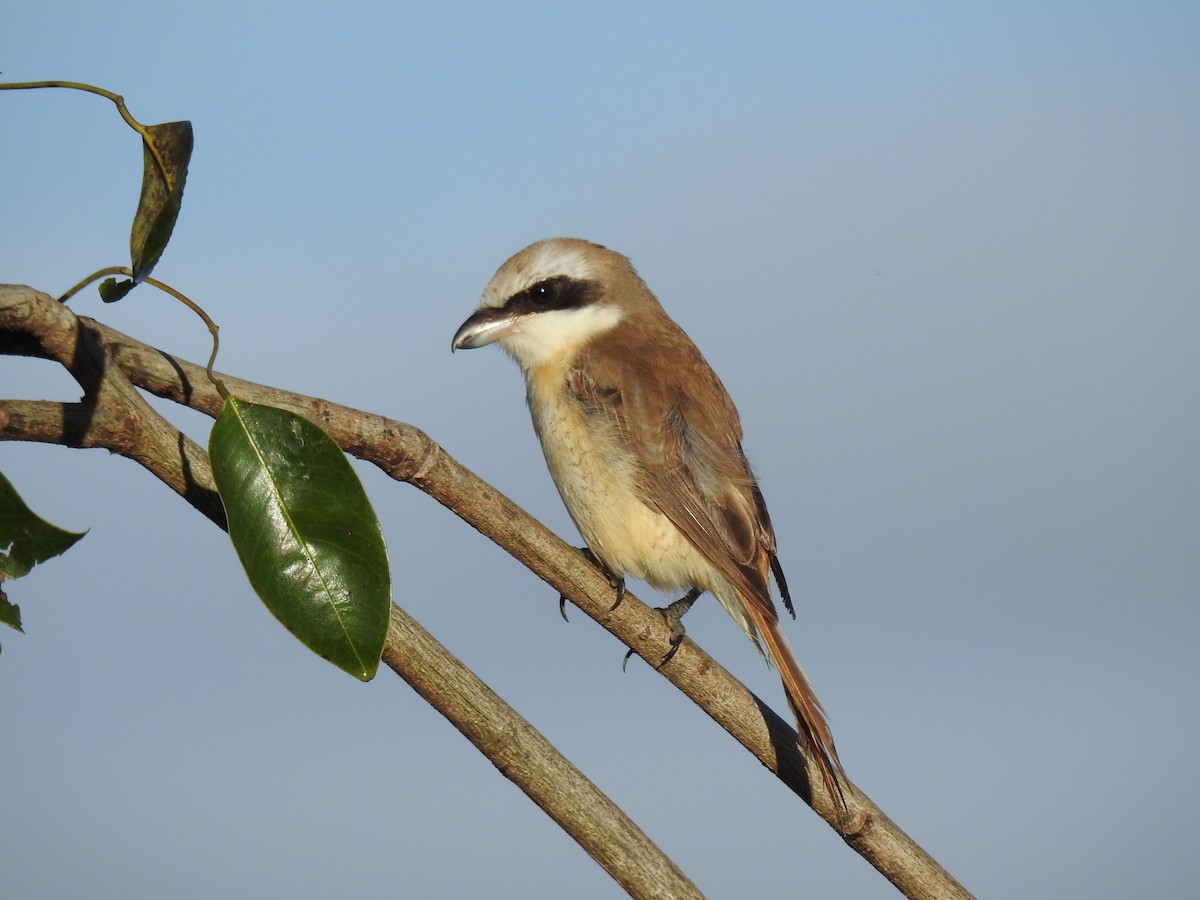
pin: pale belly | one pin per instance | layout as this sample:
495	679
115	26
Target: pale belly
596	479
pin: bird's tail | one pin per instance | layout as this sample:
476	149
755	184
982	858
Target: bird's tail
811	724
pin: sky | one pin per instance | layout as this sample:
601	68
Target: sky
944	258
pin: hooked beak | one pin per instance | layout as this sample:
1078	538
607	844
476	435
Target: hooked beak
485	326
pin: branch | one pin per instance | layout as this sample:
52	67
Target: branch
407	454
115	416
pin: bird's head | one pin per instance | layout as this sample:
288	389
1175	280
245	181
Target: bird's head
551	299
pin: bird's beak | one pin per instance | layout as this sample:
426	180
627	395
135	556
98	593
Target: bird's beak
485	326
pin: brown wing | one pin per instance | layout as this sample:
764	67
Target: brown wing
683	429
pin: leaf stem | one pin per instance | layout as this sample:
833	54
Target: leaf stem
118	100
213	327
111	270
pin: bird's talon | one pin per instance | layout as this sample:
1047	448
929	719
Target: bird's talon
671	653
617	582
620	586
675	612
673	615
562	607
675	623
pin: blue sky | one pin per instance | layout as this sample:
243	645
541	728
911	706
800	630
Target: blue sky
944	258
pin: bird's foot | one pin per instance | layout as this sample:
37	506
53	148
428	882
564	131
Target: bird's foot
673	613
617	582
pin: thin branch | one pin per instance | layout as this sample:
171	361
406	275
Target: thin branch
527	759
407	454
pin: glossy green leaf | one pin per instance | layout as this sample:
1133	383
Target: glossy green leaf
305	532
166	151
26	539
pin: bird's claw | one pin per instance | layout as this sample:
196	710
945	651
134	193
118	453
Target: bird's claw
619	585
617	582
673	613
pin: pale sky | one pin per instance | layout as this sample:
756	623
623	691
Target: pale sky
944	258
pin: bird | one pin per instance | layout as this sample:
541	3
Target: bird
645	447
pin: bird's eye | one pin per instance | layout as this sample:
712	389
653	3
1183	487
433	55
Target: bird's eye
542	294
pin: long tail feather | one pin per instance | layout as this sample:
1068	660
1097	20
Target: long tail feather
811	724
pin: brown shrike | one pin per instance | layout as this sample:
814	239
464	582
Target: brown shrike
644	445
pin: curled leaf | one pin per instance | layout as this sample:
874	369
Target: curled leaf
112	290
166	151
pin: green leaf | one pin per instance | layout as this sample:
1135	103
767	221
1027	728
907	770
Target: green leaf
305	532
112	290
25	539
166	151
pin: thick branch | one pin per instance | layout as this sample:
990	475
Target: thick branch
407	454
